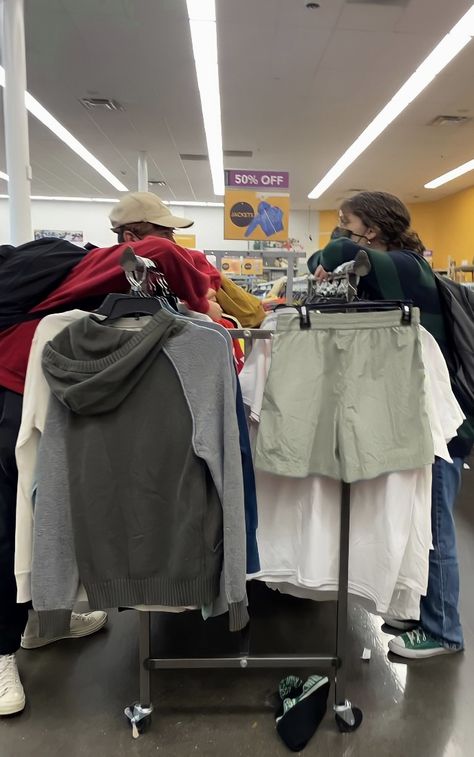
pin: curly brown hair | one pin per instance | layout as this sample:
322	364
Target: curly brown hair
389	214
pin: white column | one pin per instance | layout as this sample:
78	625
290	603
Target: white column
16	122
142	172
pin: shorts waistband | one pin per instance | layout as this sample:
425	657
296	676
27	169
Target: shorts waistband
347	321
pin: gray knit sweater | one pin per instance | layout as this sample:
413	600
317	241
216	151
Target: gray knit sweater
155	484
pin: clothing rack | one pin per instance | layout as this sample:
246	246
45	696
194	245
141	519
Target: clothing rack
348	717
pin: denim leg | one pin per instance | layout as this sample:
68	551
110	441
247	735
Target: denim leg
439	609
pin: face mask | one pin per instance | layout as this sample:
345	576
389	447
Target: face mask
339	232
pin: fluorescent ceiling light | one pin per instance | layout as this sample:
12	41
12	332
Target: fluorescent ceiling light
202	22
452	44
73	199
50	198
65	136
450	175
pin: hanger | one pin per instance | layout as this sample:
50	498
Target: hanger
122	305
356	306
137	302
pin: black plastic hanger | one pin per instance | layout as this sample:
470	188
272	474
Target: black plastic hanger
357	306
122	305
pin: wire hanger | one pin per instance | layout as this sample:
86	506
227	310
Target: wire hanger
138	302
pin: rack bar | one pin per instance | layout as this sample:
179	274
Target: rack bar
342	595
252	661
144	657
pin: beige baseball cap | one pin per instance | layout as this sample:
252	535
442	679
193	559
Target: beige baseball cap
145	206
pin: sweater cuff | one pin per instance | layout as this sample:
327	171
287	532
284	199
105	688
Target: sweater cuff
238	615
52	623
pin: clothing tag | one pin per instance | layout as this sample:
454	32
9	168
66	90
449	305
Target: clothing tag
366	654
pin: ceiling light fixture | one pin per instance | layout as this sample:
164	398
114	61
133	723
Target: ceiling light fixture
450	175
3	176
51	198
202	23
452	44
46	118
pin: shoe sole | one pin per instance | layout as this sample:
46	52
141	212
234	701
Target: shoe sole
4	711
38	643
412	654
400	625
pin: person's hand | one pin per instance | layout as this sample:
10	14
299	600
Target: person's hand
215	311
211	295
320	273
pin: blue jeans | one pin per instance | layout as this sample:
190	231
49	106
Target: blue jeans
439	609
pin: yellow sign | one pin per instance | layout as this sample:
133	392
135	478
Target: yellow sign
252	266
231	265
251	215
186	240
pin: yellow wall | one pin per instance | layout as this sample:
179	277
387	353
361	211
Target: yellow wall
446	226
454	218
328	219
423	221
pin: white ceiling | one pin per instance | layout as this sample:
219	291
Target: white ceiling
297	87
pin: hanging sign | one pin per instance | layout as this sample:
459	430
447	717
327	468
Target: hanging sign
256	205
257	179
256	215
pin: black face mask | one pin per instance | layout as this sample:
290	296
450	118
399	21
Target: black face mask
339	232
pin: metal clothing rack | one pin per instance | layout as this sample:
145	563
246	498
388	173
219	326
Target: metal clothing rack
290	255
348	717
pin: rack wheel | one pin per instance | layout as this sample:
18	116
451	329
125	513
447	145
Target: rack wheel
342	720
139	719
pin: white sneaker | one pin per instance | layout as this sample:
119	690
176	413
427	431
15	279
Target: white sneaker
82	624
12	696
400	625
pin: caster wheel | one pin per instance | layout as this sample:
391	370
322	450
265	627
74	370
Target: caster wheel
142	726
344	726
139	719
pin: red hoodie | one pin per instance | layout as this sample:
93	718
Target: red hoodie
98	274
203	265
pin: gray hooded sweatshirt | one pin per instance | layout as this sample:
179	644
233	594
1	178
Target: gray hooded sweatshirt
145	511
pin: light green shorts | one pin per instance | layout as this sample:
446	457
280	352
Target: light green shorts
345	398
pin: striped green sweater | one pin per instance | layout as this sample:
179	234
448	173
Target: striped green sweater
398	275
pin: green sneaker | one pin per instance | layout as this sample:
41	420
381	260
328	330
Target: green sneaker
417	645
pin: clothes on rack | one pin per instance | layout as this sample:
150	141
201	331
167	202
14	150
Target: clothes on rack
37	461
390	538
29	273
400	274
205	266
33	419
337	381
97	274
